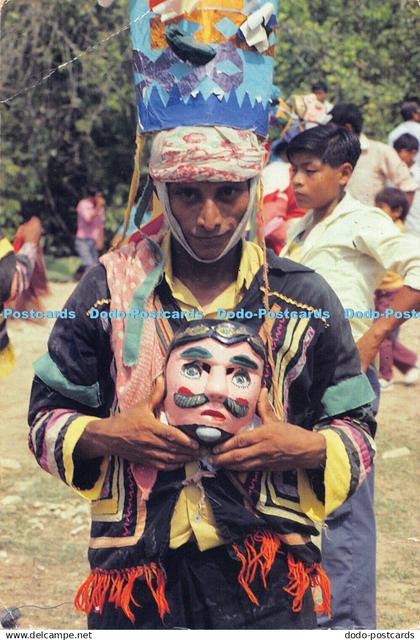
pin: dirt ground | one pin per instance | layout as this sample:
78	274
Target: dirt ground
44	527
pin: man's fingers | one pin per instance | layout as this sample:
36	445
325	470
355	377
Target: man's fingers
158	392
239	459
240	441
178	438
264	408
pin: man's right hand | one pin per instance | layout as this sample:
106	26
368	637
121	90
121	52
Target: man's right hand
137	436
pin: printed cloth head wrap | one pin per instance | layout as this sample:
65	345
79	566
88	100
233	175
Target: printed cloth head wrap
206	154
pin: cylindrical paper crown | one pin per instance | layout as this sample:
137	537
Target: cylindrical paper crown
199	62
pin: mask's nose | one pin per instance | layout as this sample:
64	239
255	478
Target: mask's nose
216	387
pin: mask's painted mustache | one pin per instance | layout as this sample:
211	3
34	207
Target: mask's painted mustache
188	401
236	409
197	400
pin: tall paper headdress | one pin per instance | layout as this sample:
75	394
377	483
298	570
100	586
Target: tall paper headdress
203	62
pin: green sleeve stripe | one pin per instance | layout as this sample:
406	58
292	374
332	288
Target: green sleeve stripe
46	369
347	395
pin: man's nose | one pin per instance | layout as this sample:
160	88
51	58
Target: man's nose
209	217
216	386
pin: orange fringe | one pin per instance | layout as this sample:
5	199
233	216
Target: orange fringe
300	577
117	586
262	559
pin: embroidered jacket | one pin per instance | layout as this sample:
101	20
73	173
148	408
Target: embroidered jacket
320	385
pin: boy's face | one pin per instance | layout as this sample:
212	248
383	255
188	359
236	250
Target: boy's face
316	184
407	156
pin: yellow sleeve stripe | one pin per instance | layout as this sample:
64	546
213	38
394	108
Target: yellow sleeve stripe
73	435
5	248
337	478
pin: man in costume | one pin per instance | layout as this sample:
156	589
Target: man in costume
235	552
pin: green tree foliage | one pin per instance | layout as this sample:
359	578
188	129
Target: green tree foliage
73	130
77	128
366	50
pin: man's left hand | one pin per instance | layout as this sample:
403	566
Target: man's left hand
273	446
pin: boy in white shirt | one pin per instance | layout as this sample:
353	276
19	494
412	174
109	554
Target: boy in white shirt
352	245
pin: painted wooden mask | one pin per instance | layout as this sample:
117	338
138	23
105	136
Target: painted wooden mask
213	379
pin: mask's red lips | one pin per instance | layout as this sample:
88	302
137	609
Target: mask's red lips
217	415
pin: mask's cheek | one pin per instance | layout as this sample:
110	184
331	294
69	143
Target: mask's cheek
250	394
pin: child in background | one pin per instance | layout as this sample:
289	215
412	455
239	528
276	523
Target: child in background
407	147
352	246
392	353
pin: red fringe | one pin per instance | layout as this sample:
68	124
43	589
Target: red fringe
300	577
117	586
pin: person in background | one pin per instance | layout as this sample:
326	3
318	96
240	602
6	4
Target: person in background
313	108
100	204
407	147
391	352
320	90
15	276
279	203
378	163
90	228
352	246
410	112
31	297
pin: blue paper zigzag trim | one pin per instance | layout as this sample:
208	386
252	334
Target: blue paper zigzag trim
199	111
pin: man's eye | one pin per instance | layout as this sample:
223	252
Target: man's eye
241	379
187	194
311	171
191	370
229	192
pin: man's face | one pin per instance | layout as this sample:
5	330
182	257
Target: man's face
208	213
213	385
316	184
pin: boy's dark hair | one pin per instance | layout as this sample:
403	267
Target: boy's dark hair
333	145
347	113
406	142
409	108
279	148
92	191
319	86
395	199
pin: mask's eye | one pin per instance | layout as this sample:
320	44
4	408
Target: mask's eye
192	370
241	379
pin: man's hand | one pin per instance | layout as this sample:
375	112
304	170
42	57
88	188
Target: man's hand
368	346
406	301
274	446
137	436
